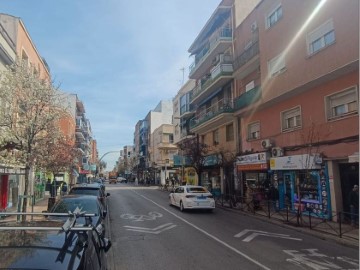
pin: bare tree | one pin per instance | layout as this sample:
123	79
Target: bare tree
195	151
227	160
28	117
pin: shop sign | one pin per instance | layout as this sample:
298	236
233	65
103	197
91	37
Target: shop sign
211	160
253	158
7	170
93	167
253	162
296	162
253	167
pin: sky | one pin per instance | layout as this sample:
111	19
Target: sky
121	57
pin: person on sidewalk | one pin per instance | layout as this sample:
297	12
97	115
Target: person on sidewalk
274	197
354	205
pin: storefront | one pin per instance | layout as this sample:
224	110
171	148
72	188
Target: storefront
253	169
303	183
211	175
10	186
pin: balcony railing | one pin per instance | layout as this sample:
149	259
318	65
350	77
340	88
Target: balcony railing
184	109
247	98
222	106
222	69
246	56
223	34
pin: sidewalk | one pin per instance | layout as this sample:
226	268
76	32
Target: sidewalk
39	206
328	230
324	230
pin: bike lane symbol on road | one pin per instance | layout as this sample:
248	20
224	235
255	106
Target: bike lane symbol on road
150	216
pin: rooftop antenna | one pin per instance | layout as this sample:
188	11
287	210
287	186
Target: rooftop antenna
183	75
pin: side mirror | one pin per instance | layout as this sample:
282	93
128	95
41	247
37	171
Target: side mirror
106	244
104	213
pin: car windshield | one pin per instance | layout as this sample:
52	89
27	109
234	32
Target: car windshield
85	191
70	204
196	190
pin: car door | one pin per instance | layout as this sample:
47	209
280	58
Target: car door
178	195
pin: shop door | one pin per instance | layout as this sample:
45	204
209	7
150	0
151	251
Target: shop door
288	189
349	175
4	184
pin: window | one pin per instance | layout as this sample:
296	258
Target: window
250	86
321	37
216	137
254	131
274	16
291	119
229	132
276	65
342	104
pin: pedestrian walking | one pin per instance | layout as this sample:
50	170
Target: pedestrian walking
63	188
354	205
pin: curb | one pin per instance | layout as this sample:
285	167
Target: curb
321	235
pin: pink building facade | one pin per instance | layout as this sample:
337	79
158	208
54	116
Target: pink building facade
296	79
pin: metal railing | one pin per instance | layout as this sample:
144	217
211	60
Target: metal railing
338	225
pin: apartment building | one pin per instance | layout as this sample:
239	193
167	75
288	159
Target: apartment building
162	153
212	96
296	78
161	114
182	115
83	135
16	43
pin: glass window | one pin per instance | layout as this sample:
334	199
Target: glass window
342	104
276	65
274	17
321	37
229	132
254	131
291	119
216	137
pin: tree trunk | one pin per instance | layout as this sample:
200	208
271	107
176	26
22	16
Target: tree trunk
26	192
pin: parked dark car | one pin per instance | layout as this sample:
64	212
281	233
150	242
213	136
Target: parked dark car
86	203
45	245
94	189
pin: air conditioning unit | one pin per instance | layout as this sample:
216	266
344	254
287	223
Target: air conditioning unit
254	26
277	152
266	143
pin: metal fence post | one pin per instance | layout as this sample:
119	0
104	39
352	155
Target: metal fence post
340	224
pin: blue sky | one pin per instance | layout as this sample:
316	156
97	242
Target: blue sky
120	57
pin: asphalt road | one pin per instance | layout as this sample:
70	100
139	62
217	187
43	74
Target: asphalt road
148	233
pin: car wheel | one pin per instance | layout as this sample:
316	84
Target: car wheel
181	206
170	202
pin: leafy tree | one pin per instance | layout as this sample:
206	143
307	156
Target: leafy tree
195	151
59	155
29	115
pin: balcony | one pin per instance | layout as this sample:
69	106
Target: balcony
215	116
247	61
218	43
219	76
247	98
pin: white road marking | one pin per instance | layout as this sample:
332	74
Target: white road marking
156	230
263	233
208	234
